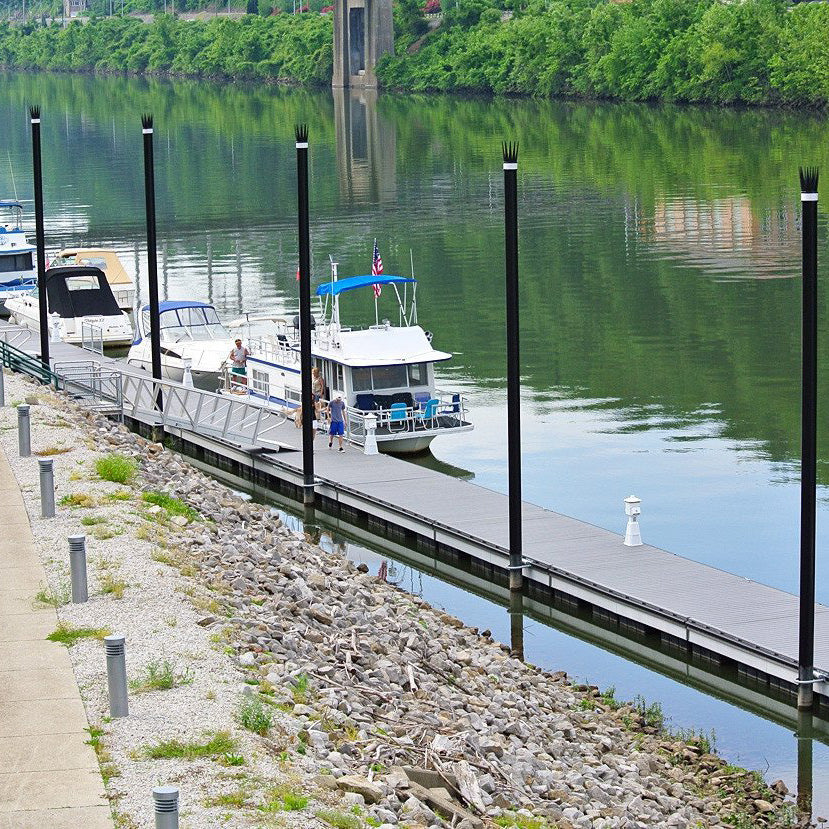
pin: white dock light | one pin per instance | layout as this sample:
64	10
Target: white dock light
187	376
633	538
370	447
54	322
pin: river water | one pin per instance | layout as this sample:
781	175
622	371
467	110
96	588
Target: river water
660	296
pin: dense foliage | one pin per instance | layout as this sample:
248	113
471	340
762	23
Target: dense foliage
756	51
283	47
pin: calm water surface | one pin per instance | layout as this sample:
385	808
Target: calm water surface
660	296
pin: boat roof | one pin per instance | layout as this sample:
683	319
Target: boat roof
116	275
381	346
10	203
352	282
173	304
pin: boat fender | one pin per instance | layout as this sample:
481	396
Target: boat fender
428	335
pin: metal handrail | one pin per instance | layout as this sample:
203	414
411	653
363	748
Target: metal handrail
217	415
95	341
17	360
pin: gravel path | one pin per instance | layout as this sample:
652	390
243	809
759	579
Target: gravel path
347	678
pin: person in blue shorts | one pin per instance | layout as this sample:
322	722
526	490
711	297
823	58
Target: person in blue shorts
336	409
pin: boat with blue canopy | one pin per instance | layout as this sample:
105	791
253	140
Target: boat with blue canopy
385	373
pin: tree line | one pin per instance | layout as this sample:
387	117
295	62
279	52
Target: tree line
762	52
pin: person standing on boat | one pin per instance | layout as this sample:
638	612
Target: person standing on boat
239	357
336	408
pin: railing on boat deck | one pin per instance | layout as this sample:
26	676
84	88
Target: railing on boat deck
273	350
449	413
216	415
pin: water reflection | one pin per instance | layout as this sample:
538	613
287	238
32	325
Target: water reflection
805	775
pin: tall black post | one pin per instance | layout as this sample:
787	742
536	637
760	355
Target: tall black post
513	364
152	261
805	774
808	440
43	312
305	314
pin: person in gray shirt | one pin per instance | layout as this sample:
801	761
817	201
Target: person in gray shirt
336	409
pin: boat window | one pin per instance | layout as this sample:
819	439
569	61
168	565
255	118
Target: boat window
191	316
145	322
260	382
389	377
82	283
94	261
16	262
360	379
417	374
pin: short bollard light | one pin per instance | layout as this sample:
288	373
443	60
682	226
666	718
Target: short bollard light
116	675
47	487
54	326
633	538
165	800
187	376
24	433
370	447
77	568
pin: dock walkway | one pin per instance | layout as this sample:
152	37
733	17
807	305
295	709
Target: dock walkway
691	605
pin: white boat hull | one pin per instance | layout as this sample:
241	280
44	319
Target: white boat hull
113	333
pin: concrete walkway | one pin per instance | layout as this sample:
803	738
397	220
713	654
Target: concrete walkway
49	778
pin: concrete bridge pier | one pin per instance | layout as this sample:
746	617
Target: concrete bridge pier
363	33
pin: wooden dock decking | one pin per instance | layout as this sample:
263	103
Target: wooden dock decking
692	605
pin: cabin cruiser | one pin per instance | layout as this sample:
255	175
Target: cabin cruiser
18	273
189	330
80	305
123	288
385	371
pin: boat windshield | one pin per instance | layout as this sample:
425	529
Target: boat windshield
189	323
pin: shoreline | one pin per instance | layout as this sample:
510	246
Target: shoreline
356	677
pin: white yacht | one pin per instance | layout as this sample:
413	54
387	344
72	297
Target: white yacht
385	370
80	303
18	270
188	330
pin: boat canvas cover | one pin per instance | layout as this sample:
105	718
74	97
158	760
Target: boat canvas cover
106	260
352	282
387	346
94	300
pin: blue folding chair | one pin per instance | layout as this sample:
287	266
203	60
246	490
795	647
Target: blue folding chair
398	417
426	417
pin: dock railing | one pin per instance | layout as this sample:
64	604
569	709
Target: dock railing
100	388
450	413
221	416
92	338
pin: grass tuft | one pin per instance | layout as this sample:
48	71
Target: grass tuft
339	820
284	799
112	586
255	717
116	468
68	635
174	506
78	500
160	676
219	745
53	450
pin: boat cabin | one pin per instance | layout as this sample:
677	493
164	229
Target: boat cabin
182	320
17	260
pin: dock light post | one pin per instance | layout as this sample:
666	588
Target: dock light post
47	487
165	801
24	431
808	442
516	578
34	112
152	262
305	315
117	675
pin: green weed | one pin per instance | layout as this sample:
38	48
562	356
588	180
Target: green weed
112	586
254	716
172	505
219	744
53	450
284	799
116	468
78	500
160	676
339	820
68	635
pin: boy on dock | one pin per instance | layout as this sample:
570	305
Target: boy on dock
336	409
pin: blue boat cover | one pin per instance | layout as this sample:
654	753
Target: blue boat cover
9	203
172	304
352	282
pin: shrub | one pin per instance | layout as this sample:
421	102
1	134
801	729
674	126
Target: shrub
116	468
255	717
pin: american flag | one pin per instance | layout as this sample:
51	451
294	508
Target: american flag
376	267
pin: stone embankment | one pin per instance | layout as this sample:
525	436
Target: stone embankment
281	685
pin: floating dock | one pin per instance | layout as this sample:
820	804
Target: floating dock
730	625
